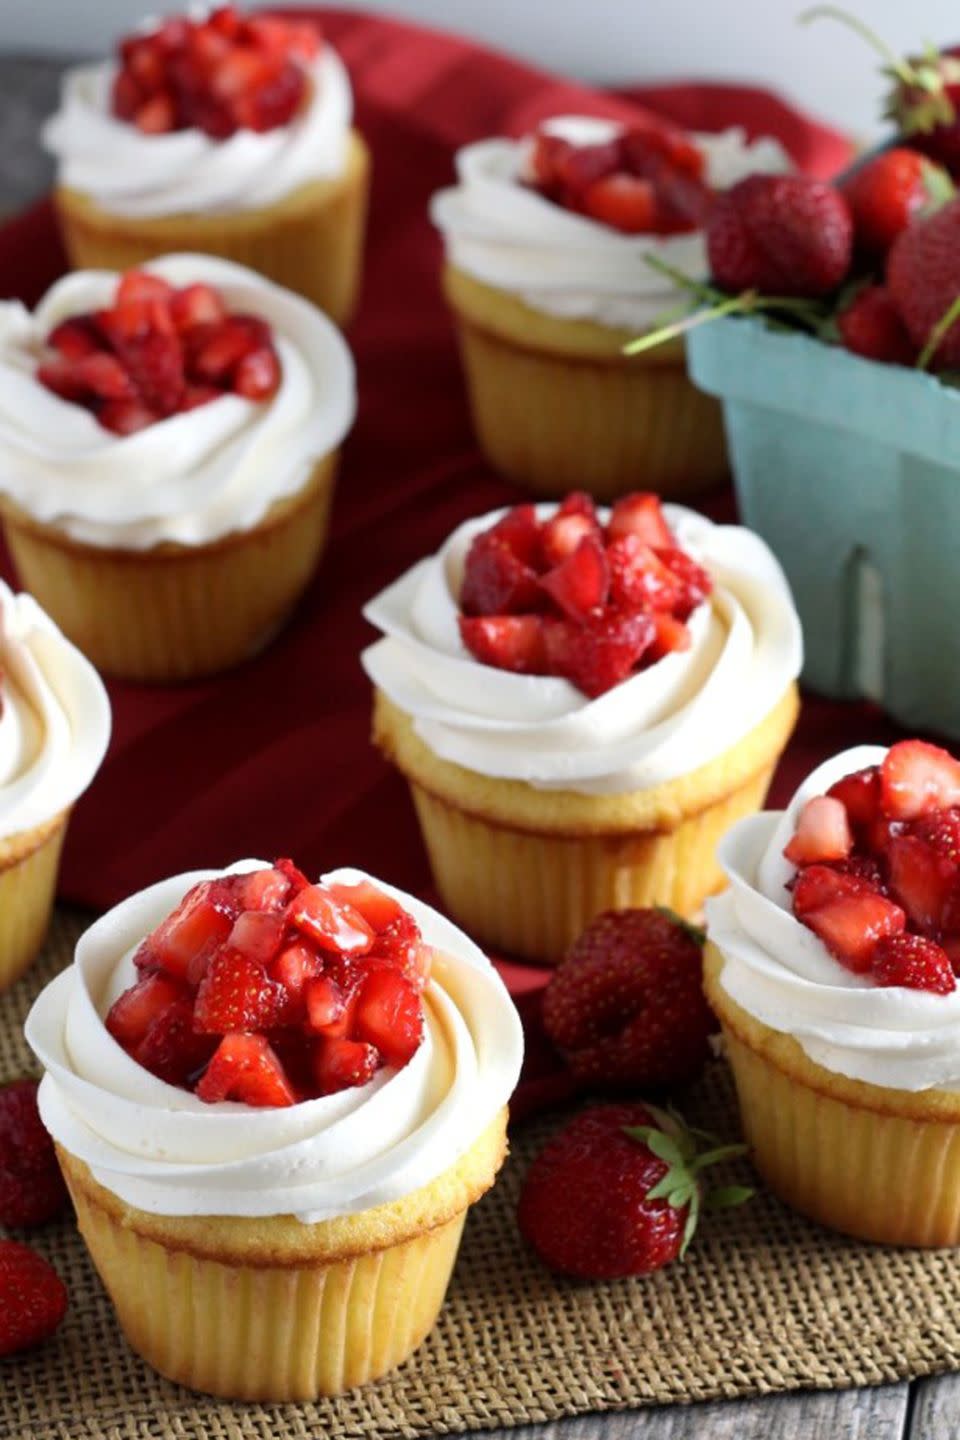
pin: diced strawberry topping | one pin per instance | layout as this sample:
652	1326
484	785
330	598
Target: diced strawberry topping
156	352
571	597
879	877
221	73
276	969
823	833
623	202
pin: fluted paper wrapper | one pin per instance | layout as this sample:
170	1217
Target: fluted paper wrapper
29	863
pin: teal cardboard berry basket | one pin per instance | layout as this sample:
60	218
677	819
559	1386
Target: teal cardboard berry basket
850	470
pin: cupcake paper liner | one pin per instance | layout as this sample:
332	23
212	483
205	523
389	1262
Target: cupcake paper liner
29	862
863	1159
311	241
555	420
176	611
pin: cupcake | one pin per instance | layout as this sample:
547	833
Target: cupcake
547	240
831	969
582	703
273	1103
168	445
222	134
54	729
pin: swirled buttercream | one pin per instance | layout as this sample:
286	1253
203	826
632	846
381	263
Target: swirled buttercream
662	722
195	476
163	1150
54	717
505	234
188	172
781	973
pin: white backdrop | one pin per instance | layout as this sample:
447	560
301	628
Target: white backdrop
822	67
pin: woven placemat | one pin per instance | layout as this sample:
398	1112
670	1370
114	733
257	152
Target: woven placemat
764	1302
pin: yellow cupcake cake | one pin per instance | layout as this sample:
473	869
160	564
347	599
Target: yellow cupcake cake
276	1218
830	969
566	761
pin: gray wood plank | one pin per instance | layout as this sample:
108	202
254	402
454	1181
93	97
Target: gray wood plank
936	1409
877	1413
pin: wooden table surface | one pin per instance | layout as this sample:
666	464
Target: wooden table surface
925	1410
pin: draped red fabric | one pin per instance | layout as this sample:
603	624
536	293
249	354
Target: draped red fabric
274	757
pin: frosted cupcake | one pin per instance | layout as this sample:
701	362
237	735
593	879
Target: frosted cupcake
54	729
546	244
583	703
276	1212
168	448
831	968
222	133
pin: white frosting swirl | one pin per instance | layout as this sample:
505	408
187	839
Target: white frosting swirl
191	478
507	235
54	717
780	972
163	1150
662	722
189	172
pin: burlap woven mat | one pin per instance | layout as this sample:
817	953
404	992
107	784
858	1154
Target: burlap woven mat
764	1302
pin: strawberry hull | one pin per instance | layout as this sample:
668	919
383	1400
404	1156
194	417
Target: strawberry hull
850	470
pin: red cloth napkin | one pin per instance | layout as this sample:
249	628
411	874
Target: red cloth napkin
274	757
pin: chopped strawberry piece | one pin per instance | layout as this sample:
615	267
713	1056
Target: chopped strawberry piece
622	201
295	876
222	348
916	777
329	923
851	925
598	655
823	833
126	95
495	581
639	579
400	944
171	1049
126	417
274	102
184	942
545	159
389	1015
294	966
258	935
339	1064
236	993
655	137
669	635
326	1007
61	377
695	584
578	502
197	305
137	286
819	885
580	583
246	1068
130	1016
76	337
266	889
519	530
941	832
157	116
641	515
196	395
257	375
860	795
102	376
561	535
510	642
914	962
865	868
377	907
920	880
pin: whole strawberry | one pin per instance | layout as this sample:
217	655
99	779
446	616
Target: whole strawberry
870	325
31	1185
923	276
626	1007
618	1192
33	1299
780	235
887	192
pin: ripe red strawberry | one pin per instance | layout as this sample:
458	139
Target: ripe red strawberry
860	794
171	1049
519	530
626	1007
246	1068
851	925
920	880
132	1013
186	940
640	514
818	885
33	1299
379	909
389	1016
330	923
914	962
339	1064
822	833
76	337
564	532
639	579
887	192
622	201
618	1191
916	778
257	375
31	1185
780	235
196	305
326	1007
235	994
510	642
693	580
871	326
923	276
600	653
495	581
925	104
579	584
